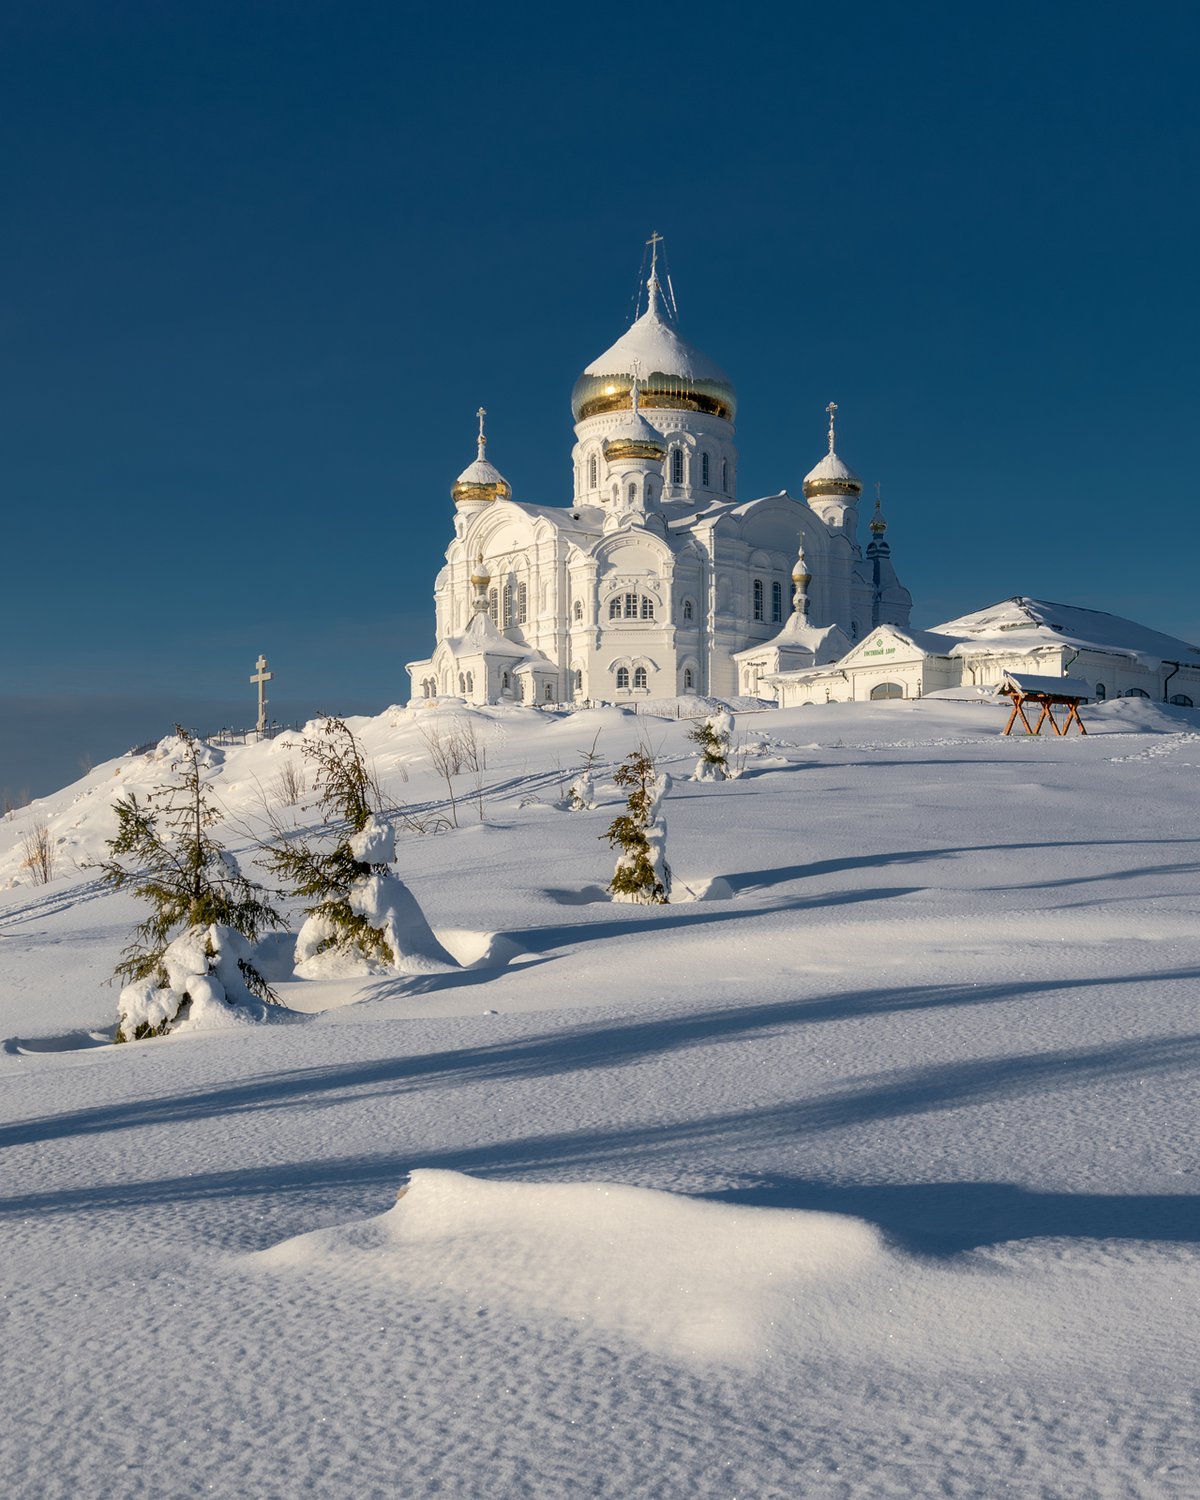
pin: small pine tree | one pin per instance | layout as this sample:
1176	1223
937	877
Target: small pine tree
713	735
358	910
642	874
581	795
205	915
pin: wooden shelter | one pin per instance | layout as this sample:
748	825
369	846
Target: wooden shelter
1046	693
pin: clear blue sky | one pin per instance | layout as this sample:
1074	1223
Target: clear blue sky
261	262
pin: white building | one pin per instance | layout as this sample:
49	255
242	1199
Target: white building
654	580
1115	657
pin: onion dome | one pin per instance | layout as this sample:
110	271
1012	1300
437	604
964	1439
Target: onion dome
878	524
633	436
831	476
801	577
480	578
673	374
480	482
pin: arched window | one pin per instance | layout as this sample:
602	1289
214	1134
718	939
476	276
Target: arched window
777	601
1181	700
639	677
1101	692
647	607
649	493
1135	693
522	603
577	610
616	493
492	604
676	465
549	692
504	682
632	493
688	610
704	470
462	683
623	679
593	472
614	607
688	679
579	680
758	599
886	690
725	476
508	605
470	682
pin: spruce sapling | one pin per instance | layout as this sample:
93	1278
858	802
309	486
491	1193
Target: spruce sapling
642	874
713	736
194	950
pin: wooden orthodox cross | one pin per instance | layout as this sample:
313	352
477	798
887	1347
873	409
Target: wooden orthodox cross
262	677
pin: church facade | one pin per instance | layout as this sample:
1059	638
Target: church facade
655	580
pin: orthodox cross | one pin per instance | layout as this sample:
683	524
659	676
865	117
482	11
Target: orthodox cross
481	413
654	242
262	677
831	409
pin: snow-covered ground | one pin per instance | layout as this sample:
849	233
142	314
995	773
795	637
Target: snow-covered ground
868	1167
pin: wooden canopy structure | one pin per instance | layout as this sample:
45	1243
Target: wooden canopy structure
1048	693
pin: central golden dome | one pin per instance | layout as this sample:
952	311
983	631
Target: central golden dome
671	373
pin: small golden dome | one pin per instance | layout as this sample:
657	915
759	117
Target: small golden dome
480	482
480	578
633	436
831	476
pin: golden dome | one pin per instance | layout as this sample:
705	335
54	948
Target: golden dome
633	436
671	373
831	476
480	578
480	482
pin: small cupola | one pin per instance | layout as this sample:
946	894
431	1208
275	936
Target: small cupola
480	483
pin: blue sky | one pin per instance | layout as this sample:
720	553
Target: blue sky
260	264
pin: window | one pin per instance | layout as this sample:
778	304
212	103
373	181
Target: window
579	680
704	470
854	630
577	610
614	607
616	493
688	610
508	605
758	599
470	682
639	677
593	472
504	682
1135	693
688	679
632	493
462	683
1181	700
549	692
777	601
647	608
649	493
492	605
676	465
725	476
522	603
886	690
1101	692
623	679
631	606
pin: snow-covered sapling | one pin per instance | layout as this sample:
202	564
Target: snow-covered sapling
642	873
581	796
194	951
713	735
360	916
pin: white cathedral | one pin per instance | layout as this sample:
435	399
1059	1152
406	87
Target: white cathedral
656	580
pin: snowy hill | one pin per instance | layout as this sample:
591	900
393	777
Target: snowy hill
865	1168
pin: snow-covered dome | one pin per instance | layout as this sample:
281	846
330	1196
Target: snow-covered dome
480	482
831	476
633	436
672	373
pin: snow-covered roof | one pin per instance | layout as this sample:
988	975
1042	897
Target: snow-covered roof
481	638
824	641
1063	687
1024	624
932	643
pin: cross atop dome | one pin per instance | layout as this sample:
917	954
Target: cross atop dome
832	410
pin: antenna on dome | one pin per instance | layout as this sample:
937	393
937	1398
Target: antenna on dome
832	410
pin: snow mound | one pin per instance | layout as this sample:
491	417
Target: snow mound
686	1278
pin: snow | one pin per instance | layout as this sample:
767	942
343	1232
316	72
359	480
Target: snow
832	467
1070	687
1022	624
866	1168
